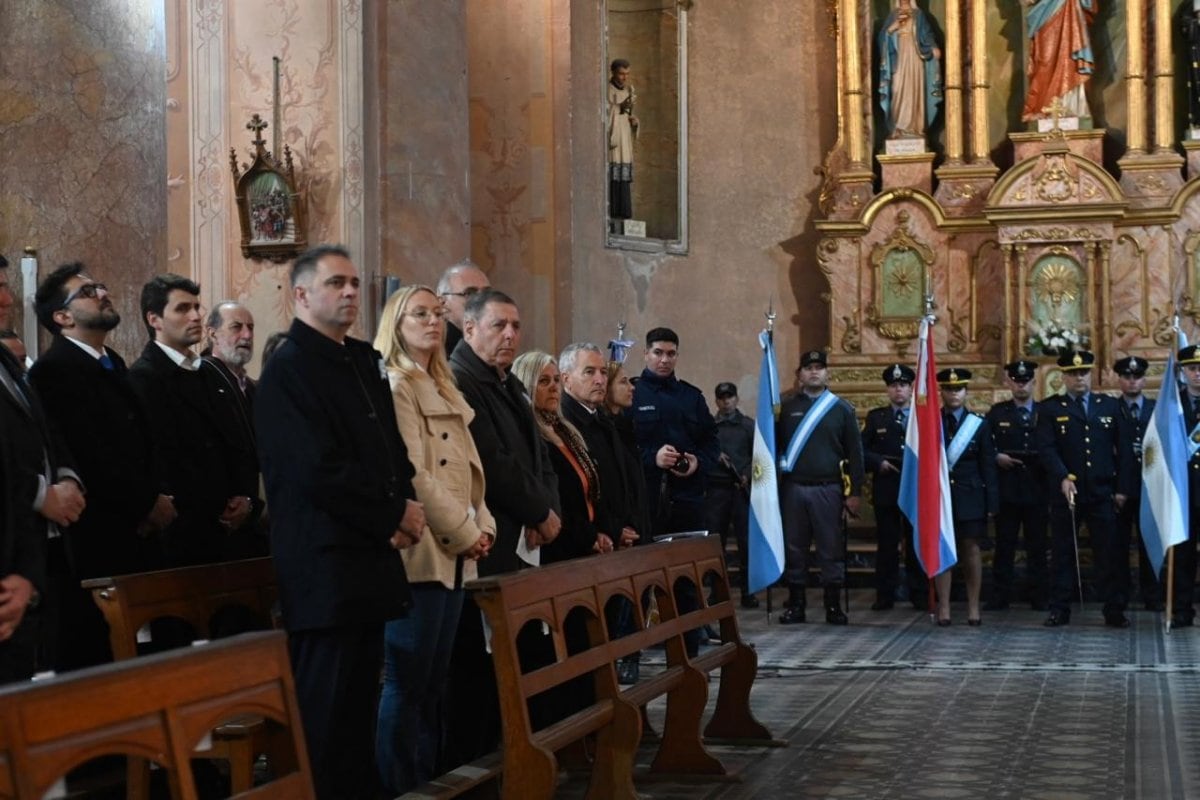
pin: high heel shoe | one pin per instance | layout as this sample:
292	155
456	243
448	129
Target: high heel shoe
943	623
974	623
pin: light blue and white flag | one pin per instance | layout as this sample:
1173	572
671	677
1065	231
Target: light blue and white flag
1164	511
766	523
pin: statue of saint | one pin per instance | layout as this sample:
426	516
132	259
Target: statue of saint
1060	58
910	81
622	130
1191	36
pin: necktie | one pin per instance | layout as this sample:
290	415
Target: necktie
1023	415
901	417
106	362
1133	411
951	425
1082	400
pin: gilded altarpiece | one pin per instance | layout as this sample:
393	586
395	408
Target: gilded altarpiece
1091	225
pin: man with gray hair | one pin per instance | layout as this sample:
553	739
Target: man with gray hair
230	333
457	284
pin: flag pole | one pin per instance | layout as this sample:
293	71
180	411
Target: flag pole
770	317
931	594
1170	606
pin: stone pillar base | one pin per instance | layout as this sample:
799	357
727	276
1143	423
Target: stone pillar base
963	188
1087	143
847	194
911	170
1151	180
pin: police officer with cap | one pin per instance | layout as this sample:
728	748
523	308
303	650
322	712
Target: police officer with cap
974	493
1137	408
818	443
1185	552
883	449
1078	436
728	496
1023	502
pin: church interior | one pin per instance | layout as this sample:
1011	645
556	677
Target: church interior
784	165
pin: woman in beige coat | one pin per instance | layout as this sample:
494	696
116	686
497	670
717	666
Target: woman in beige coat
433	418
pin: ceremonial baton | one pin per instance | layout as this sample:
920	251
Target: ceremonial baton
1075	539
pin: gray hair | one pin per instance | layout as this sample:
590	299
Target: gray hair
443	284
216	318
570	354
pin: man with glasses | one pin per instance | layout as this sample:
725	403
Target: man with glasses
456	286
109	438
210	471
1023	501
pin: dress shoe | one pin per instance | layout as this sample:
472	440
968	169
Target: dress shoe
750	601
995	605
974	623
833	607
628	671
1057	619
835	616
792	615
943	623
883	605
1116	620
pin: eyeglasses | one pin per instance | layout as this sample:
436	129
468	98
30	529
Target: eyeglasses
88	290
467	292
423	316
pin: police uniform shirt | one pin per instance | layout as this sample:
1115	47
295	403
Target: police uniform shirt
1014	431
1072	441
835	438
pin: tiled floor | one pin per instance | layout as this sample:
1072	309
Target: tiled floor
894	707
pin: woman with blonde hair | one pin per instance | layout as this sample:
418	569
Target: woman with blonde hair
433	418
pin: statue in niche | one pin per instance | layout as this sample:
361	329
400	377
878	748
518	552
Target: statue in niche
1057	284
1060	59
910	80
622	131
1191	35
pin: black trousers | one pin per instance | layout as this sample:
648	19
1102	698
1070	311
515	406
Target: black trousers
1127	518
1014	518
813	513
893	531
1101	523
728	506
337	688
1183	602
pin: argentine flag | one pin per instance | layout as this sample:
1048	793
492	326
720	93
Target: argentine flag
924	476
766	524
1164	511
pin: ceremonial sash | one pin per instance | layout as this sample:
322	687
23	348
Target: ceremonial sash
809	424
958	444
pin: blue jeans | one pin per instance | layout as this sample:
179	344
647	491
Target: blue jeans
416	661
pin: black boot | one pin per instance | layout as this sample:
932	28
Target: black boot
793	611
833	606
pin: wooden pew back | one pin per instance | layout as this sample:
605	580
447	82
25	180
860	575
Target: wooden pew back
159	708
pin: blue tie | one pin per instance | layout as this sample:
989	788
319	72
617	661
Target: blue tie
106	362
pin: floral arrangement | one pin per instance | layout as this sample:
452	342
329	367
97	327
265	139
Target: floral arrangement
1053	337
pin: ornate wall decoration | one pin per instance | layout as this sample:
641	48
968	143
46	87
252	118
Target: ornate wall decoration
900	265
1056	284
852	338
957	341
270	210
1055	184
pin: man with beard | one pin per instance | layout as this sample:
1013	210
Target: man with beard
210	471
85	390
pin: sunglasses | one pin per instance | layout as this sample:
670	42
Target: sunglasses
88	290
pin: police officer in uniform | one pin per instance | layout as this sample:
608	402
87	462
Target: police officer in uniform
728	489
1078	435
1023	501
813	459
1184	612
883	448
1137	408
974	494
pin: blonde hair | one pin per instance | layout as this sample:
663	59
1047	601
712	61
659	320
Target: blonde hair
528	368
612	369
390	342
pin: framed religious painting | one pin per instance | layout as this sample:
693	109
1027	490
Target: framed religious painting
269	206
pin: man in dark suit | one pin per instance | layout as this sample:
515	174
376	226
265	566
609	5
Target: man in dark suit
522	494
1078	434
1023	501
340	487
1137	408
208	467
455	288
39	493
1183	600
883	451
86	393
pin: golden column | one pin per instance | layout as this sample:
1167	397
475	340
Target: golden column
954	81
1135	75
1163	76
979	82
852	48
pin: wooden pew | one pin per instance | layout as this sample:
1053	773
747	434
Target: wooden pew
194	595
158	707
548	595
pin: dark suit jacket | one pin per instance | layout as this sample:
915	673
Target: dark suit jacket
614	510
203	461
338	480
883	440
521	485
1130	443
1026	484
1084	446
578	534
974	489
103	423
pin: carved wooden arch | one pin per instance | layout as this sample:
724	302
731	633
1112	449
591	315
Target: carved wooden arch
1054	178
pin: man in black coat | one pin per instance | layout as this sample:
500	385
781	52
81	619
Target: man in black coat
1078	435
727	493
1183	598
1023	501
339	483
883	451
522	494
207	467
87	396
1137	408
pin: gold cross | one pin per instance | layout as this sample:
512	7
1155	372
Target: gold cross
1055	110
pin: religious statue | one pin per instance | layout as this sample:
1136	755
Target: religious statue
1191	35
1060	59
622	130
910	82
